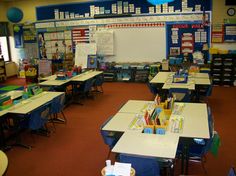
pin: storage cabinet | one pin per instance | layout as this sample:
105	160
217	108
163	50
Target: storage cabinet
223	69
2	70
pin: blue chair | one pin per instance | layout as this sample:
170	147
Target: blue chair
85	89
232	172
205	93
152	89
182	95
144	166
38	119
98	83
57	107
109	138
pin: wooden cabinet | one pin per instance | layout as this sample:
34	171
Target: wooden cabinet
2	70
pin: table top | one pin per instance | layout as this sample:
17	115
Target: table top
85	76
52	77
153	145
198	78
54	82
3	162
34	102
189	85
14	94
120	122
134	106
161	77
50	81
195	121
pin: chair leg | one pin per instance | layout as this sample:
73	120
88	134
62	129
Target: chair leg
203	160
64	117
108	156
51	120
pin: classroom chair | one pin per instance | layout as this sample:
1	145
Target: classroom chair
232	172
84	90
109	138
38	119
205	93
144	166
98	83
181	95
57	107
152	88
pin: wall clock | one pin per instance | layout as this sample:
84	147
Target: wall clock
231	11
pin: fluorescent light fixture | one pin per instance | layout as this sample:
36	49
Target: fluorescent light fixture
157	2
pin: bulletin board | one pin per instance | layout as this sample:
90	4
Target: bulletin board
230	33
186	37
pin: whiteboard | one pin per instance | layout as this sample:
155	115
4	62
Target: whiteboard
104	41
147	44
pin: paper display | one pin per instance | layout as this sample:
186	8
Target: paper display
82	51
104	41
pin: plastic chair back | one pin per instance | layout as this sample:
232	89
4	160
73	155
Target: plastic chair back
39	117
185	96
152	88
108	137
143	166
99	80
58	104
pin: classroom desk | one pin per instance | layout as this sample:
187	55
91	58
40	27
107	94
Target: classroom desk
120	122
52	77
78	78
195	121
54	82
189	85
162	77
164	146
85	76
3	162
135	106
14	94
151	145
28	105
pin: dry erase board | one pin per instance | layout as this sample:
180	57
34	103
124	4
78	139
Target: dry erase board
140	44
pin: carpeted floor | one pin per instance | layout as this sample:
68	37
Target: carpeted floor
77	148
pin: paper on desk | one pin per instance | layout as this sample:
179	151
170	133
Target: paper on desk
123	169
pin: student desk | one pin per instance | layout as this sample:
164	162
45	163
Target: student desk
54	82
14	94
164	146
3	162
52	77
120	122
194	79
86	76
152	145
135	106
28	105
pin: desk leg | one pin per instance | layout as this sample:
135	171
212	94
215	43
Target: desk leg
18	142
185	155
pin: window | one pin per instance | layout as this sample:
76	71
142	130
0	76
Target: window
4	48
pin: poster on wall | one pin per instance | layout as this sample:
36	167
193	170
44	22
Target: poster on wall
29	33
18	35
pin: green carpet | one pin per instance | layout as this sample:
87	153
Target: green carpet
9	88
